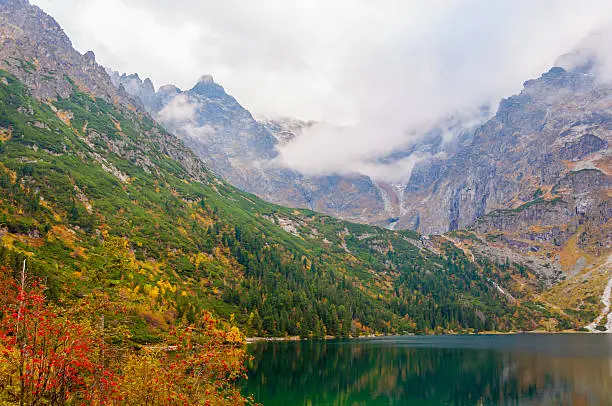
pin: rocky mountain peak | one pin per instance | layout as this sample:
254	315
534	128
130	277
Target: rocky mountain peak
35	49
206	79
206	86
578	79
148	84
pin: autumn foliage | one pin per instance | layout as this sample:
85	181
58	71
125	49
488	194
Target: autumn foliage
47	358
51	355
197	368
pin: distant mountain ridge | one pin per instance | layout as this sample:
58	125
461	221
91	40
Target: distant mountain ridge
244	151
428	201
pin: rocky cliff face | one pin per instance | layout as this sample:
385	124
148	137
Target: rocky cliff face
534	182
559	124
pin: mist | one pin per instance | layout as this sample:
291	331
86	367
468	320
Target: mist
467	56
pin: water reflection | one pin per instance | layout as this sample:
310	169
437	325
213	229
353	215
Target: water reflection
460	370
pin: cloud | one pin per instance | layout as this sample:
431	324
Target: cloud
382	71
180	109
597	48
325	149
461	57
180	115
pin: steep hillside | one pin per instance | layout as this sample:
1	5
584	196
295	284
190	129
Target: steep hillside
534	185
100	199
96	203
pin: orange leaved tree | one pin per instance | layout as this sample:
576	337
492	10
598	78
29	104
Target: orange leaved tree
48	357
57	356
197	366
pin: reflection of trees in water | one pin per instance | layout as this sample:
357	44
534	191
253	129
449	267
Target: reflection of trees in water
566	381
357	374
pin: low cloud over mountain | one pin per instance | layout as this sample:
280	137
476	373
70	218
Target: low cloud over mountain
382	71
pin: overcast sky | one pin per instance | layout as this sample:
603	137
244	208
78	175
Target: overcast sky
381	66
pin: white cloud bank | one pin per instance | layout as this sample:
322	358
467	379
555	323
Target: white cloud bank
383	70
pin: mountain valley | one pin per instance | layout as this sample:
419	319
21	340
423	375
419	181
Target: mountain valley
156	229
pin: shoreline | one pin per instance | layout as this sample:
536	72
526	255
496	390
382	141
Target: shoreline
251	340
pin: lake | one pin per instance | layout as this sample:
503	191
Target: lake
523	369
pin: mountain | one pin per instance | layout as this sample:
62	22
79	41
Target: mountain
101	200
558	125
546	179
535	178
243	151
462	181
531	184
50	44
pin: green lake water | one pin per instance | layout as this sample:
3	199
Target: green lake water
525	369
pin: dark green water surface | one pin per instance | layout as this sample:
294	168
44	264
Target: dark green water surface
538	369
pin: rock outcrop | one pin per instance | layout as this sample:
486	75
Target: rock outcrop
36	50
